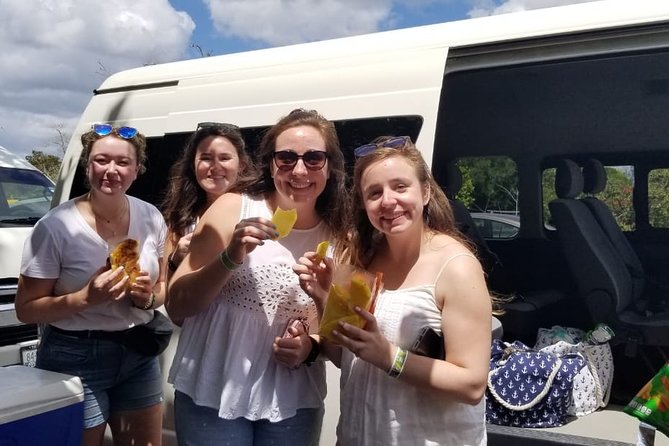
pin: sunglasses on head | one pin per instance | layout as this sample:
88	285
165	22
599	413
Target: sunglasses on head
312	159
219	125
396	142
107	129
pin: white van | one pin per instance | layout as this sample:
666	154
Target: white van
515	92
25	196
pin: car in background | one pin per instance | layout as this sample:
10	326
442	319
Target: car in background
25	196
496	226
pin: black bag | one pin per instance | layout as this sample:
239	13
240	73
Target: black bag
152	338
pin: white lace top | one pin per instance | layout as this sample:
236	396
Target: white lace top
224	357
379	410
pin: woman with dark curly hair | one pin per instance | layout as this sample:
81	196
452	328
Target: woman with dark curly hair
213	161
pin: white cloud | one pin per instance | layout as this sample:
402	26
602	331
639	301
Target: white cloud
284	22
492	7
55	52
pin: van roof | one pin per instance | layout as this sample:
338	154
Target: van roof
9	159
491	29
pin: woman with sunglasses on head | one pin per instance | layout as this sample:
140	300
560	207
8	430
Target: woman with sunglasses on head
86	306
213	159
238	381
404	228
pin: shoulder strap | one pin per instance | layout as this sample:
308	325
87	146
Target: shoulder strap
455	256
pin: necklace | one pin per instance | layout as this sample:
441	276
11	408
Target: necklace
109	226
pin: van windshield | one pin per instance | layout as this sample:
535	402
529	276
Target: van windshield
25	196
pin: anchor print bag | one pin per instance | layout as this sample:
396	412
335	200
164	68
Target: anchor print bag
529	388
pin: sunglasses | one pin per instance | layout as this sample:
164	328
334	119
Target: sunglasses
396	142
219	125
107	129
287	159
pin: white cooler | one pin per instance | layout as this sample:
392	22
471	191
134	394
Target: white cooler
39	407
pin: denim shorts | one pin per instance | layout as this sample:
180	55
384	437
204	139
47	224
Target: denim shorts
201	426
115	378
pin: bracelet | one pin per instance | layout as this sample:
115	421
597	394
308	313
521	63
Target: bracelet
398	363
227	261
149	304
313	354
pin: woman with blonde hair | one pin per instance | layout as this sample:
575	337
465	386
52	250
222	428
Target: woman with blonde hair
91	310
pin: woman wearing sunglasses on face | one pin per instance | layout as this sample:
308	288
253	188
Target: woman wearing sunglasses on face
66	284
404	228
213	159
238	381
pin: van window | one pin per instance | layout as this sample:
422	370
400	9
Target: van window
658	198
617	195
489	184
25	196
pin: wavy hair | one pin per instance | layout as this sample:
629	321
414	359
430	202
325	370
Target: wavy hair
185	200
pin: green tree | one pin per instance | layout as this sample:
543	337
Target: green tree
494	181
48	164
618	197
658	198
548	192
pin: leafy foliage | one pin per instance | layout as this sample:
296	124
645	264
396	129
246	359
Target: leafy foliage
658	198
48	164
489	184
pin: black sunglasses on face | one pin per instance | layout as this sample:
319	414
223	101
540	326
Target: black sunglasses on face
392	143
287	159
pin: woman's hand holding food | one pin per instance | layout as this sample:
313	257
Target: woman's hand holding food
315	275
106	285
247	235
367	343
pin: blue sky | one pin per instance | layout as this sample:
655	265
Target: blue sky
56	52
400	16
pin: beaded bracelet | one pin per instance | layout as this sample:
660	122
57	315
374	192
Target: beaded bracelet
227	262
398	363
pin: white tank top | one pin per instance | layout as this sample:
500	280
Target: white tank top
224	357
379	410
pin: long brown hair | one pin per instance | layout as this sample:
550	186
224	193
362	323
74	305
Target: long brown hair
437	214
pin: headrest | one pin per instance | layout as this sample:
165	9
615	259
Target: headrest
453	180
568	179
594	176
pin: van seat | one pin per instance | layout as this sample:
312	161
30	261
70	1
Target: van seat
647	291
603	280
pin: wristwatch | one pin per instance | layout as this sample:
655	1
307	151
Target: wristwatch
315	351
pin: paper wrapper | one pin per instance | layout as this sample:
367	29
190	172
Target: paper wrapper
651	404
350	288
